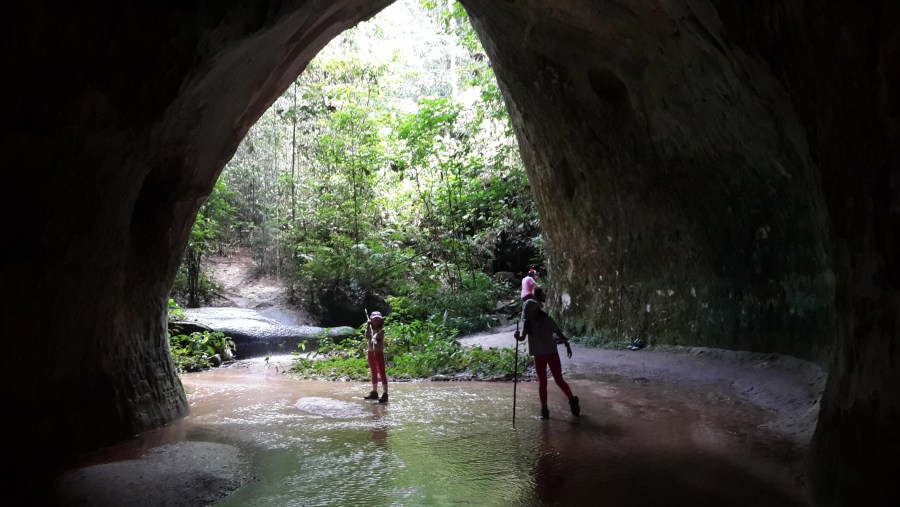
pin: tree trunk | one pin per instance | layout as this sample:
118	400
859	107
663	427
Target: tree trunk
193	266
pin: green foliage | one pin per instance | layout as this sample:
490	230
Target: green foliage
487	362
373	176
454	21
175	311
413	349
205	288
467	309
349	347
475	72
214	218
194	351
600	341
335	359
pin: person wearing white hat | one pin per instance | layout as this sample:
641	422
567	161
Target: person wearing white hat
375	353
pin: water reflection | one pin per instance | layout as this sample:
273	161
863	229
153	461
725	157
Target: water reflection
549	476
319	443
379	428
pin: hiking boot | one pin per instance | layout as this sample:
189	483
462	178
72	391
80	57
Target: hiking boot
545	413
573	404
383	399
372	396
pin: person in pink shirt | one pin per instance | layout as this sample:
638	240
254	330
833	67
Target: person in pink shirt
528	285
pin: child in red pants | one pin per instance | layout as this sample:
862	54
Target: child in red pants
375	352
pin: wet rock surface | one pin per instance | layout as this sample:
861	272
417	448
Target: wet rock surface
256	335
180	473
255	311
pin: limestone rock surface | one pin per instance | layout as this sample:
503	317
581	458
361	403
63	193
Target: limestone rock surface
724	174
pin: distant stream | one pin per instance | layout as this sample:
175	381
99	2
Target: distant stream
256	334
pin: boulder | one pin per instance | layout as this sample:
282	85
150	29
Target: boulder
255	335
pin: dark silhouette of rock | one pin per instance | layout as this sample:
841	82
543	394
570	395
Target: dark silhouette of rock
706	174
124	117
709	174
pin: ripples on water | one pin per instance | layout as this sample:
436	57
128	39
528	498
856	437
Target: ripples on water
452	443
321	444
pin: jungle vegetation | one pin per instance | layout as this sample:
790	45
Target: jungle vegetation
387	176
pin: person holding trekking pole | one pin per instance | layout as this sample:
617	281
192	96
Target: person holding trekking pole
515	373
539	328
375	354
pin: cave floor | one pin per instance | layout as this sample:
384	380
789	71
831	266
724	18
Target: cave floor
658	427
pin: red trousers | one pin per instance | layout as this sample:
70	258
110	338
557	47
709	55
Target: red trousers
376	366
540	364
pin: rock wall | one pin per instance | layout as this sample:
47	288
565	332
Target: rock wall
707	172
714	173
672	173
122	118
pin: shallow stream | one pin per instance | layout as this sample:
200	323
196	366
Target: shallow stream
311	443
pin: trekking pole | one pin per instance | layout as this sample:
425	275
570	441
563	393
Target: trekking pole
515	374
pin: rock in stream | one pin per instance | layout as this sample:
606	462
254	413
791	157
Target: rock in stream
256	335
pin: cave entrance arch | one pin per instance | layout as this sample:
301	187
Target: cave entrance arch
800	107
398	116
